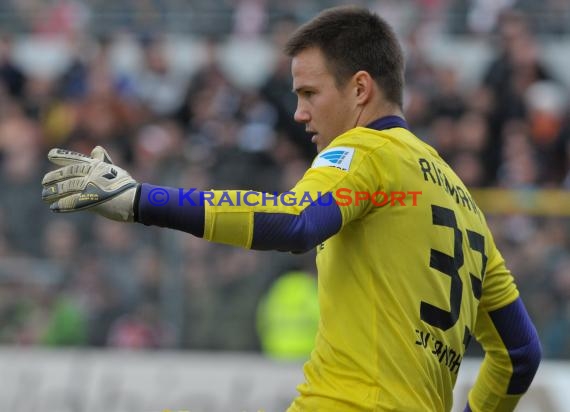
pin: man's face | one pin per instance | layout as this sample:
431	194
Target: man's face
325	110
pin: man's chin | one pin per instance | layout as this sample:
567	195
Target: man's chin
320	143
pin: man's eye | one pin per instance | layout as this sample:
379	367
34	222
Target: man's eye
308	93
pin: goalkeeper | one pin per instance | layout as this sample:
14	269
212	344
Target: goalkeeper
401	288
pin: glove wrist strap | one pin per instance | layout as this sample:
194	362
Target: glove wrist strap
136	203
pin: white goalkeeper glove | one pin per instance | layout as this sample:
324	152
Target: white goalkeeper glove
89	182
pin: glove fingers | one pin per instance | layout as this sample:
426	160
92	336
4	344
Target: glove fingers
66	172
66	204
64	157
121	210
58	190
99	153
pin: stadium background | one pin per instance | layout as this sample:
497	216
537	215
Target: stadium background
196	94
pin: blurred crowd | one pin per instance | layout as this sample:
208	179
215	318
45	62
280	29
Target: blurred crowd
79	280
254	17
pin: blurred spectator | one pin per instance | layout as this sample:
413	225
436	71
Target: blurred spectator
67	324
519	168
72	84
61	240
483	15
250	17
288	317
468	166
12	78
21	171
115	247
278	91
513	71
140	329
158	85
59	17
547	109
556	340
448	99
156	147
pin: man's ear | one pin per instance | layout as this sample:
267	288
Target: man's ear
363	87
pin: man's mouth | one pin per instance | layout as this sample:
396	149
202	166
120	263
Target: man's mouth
314	136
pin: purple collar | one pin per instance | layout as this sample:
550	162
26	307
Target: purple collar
387	122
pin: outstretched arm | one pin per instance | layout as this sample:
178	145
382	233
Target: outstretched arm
295	221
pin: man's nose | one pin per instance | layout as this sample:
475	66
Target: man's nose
301	115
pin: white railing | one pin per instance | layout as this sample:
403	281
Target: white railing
37	380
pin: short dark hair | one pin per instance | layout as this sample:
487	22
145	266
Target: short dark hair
352	39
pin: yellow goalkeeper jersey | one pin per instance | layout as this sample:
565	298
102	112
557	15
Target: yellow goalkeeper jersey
402	281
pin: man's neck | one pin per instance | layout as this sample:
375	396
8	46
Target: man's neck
387	109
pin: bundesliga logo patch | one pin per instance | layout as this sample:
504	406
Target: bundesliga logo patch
339	157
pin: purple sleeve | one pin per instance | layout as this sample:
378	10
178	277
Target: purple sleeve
297	233
521	340
168	207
